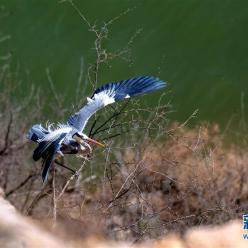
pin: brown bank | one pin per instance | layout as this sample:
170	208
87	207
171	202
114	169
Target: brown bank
19	231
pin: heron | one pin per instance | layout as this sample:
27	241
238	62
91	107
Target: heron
56	140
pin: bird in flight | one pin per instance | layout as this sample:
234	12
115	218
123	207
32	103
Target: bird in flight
55	141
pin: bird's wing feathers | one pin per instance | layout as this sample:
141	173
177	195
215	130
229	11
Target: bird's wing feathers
79	119
47	150
46	165
37	132
113	92
49	144
131	87
46	144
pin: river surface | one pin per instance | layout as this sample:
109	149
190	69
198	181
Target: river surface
198	46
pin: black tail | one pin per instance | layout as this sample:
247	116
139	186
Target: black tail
40	151
47	162
47	146
47	150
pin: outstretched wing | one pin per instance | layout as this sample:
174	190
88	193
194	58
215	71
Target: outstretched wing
112	92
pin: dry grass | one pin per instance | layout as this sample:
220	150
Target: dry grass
19	231
190	179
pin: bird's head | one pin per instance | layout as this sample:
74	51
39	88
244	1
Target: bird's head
81	138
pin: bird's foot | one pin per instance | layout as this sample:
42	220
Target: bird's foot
76	174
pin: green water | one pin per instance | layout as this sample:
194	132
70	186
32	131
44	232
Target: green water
198	46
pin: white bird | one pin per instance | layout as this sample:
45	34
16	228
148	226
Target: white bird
69	138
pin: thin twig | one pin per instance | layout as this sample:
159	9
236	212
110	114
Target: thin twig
111	136
114	115
122	190
37	198
78	11
70	180
54	199
6	139
23	183
92	128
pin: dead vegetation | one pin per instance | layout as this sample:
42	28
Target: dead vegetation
19	231
154	177
191	179
138	189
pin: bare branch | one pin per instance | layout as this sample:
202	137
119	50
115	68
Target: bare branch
6	139
20	185
70	180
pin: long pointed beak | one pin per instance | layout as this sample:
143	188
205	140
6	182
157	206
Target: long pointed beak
92	141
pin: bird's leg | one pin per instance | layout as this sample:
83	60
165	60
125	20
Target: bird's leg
66	167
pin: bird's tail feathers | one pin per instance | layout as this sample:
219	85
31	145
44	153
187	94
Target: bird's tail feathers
47	151
47	162
48	146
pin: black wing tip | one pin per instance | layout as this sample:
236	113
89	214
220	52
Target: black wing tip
144	84
148	79
47	162
44	176
159	82
40	151
135	86
151	82
37	154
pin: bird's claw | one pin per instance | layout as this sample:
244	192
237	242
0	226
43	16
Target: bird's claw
76	174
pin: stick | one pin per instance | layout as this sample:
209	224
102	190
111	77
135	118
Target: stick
114	115
20	185
71	179
6	139
54	200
